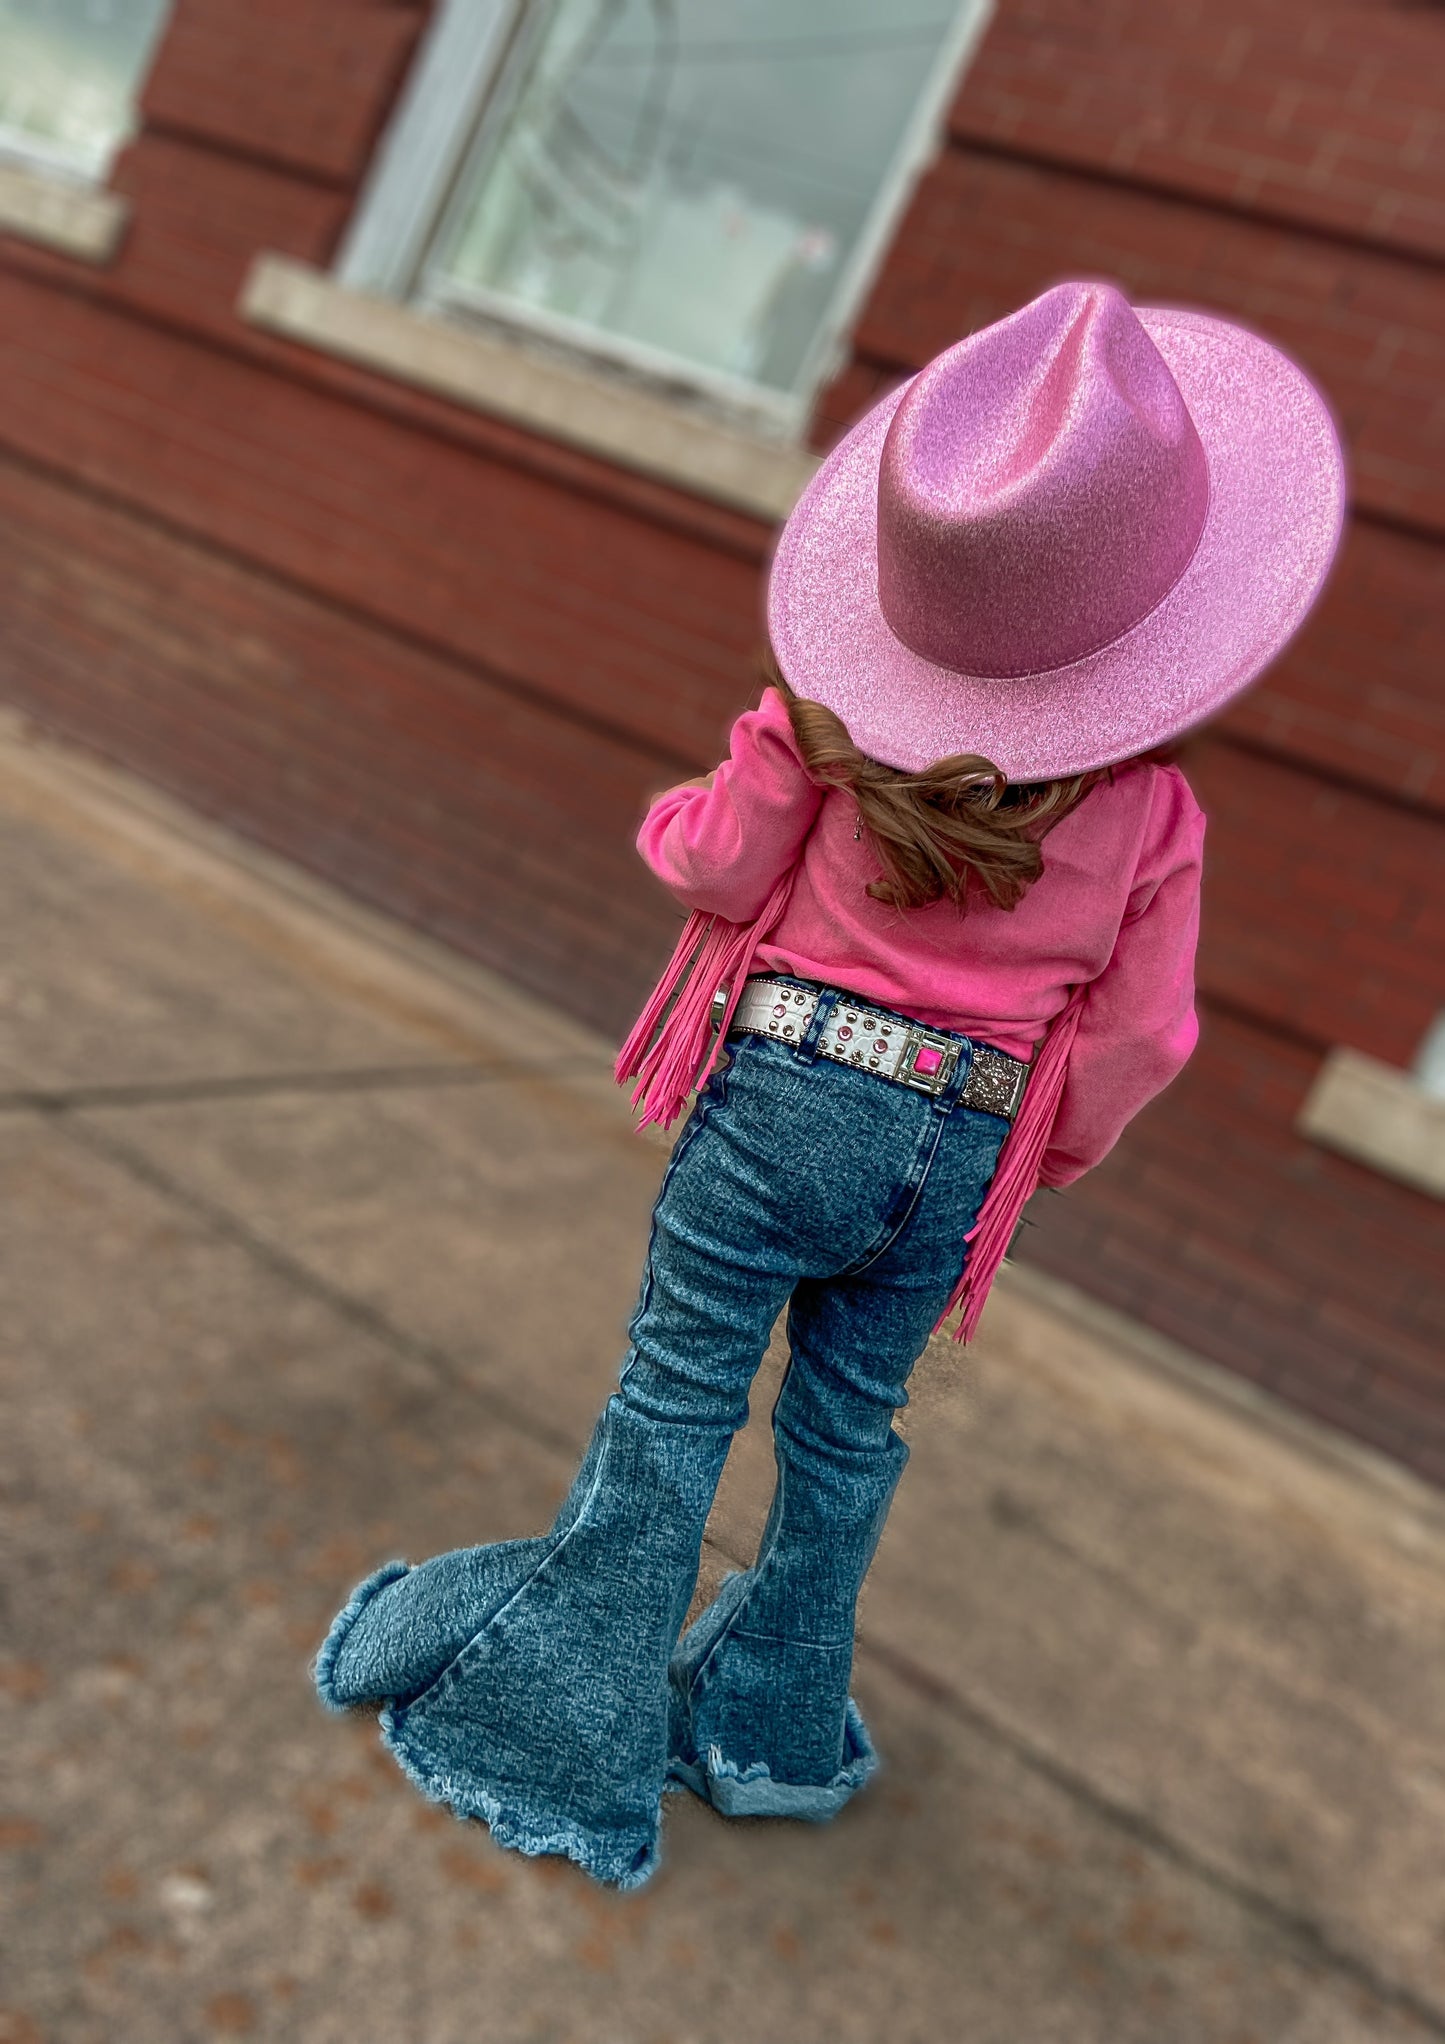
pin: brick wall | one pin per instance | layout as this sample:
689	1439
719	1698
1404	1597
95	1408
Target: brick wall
1327	117
1219	1227
444	661
304	85
1369	324
1284	164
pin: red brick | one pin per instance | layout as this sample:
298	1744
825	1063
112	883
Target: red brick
984	235
1312	1315
1146	85
1322	907
423	785
300	82
650	630
198	220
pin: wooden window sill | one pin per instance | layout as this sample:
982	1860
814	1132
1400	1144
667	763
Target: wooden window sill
78	220
600	414
1379	1116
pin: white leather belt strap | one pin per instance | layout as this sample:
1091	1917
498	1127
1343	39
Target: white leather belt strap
908	1053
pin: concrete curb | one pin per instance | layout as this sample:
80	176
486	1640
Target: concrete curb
376	955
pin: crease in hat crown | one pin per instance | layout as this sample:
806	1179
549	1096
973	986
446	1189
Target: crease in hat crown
1042	488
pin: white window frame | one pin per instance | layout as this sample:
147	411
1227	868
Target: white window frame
49	198
413	182
23	151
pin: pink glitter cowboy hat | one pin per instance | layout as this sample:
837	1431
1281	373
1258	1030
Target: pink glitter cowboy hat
1068	539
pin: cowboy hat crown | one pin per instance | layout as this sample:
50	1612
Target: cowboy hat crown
1068	539
1042	488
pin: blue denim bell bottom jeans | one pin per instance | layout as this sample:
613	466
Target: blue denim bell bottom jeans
541	1684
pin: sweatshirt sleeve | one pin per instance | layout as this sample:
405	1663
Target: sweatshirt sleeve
1138	1024
723	849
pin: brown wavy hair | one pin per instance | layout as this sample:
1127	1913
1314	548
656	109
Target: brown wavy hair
954	829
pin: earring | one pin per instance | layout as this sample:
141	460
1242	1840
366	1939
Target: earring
857	826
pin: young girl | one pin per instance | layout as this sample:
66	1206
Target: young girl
944	922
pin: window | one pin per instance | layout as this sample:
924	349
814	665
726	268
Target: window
69	74
1392	1120
693	191
1429	1067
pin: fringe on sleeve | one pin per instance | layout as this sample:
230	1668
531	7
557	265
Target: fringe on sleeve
1017	1175
671	1047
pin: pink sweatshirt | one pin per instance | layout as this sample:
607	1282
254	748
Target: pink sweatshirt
1117	907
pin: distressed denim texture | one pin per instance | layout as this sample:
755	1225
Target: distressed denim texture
541	1684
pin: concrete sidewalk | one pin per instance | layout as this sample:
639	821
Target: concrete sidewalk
307	1264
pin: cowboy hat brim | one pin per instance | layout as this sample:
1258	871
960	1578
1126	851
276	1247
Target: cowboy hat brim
1276	509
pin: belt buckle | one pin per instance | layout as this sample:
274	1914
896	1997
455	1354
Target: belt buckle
940	1054
995	1083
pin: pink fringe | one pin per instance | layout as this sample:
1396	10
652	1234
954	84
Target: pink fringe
1018	1170
672	1045
671	1048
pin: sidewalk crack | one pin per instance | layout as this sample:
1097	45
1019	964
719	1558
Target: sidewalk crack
358	1313
1307	1936
256	1085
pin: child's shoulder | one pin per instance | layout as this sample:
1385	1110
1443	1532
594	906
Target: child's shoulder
771	716
1173	807
1141	815
762	740
766	721
1154	801
1154	784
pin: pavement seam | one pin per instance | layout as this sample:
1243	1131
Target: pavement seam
250	1086
357	1312
1155	1354
1301	1931
365	948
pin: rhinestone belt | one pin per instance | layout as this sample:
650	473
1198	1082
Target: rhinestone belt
888	1045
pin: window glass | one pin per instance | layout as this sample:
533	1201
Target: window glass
686	178
1430	1059
69	74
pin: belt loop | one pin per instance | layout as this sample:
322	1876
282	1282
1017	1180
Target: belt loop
828	999
948	1099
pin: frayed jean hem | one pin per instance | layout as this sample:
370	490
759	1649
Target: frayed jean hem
625	1864
751	1791
323	1668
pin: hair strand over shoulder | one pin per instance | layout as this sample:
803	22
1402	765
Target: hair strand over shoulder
945	832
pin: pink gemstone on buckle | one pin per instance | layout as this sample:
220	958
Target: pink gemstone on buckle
928	1061
780	1009
844	1034
880	1046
